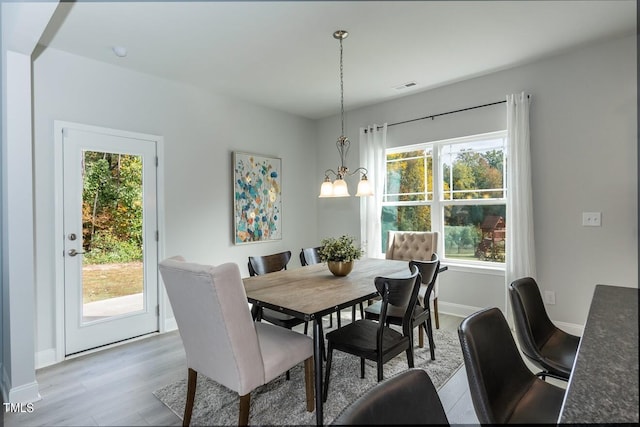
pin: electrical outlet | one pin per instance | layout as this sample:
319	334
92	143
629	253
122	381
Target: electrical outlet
591	219
550	297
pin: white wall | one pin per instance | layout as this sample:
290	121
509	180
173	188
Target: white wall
584	155
200	130
21	27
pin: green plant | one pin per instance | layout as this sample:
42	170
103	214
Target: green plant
339	249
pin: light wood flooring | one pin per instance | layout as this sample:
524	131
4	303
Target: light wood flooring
113	387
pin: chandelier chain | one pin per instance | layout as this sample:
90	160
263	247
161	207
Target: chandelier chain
341	90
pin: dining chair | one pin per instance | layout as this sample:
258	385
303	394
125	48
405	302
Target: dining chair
421	317
310	256
406	398
221	340
377	341
503	389
415	245
266	264
544	344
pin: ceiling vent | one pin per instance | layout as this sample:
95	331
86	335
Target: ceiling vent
406	85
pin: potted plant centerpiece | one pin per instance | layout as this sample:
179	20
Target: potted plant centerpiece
339	253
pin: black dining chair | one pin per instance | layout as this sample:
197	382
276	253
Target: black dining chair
406	398
503	389
421	313
373	340
265	264
543	343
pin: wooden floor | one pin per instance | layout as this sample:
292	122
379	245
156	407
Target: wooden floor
113	387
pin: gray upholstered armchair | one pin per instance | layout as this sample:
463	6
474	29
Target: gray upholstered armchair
415	245
220	338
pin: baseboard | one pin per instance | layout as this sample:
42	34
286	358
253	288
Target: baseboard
25	393
46	358
170	325
572	328
466	310
456	309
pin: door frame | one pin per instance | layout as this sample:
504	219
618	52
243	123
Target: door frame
59	126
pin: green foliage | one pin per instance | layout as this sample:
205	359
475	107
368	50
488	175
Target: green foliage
107	249
461	237
339	249
112	207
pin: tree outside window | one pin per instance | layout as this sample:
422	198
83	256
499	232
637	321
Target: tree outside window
468	203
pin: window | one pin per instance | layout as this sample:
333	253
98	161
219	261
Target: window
456	187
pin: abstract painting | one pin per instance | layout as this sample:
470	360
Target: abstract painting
257	192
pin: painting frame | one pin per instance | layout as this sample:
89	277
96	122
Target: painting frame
257	198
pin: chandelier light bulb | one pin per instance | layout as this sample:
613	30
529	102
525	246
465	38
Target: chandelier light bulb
340	188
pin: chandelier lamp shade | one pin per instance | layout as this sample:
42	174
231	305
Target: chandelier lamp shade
339	188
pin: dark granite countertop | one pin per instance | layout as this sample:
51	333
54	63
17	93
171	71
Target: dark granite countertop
603	387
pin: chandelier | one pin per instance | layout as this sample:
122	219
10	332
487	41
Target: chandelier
338	188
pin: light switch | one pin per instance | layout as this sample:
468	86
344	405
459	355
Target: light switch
591	219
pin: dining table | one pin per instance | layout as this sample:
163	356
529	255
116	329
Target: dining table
312	291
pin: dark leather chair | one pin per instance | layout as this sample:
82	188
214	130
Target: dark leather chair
407	398
373	340
421	314
545	345
503	389
265	264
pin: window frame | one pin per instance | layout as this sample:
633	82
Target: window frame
437	202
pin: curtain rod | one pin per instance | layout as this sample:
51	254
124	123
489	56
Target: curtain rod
433	116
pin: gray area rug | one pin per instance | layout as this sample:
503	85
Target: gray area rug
282	402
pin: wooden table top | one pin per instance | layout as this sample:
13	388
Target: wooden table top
312	291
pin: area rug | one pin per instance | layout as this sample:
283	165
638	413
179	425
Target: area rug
282	402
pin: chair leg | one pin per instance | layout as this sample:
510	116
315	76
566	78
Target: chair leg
339	319
410	357
420	336
353	313
308	383
361	311
191	394
432	345
243	417
327	374
331	320
435	311
362	367
380	366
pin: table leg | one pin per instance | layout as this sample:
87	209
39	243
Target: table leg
318	341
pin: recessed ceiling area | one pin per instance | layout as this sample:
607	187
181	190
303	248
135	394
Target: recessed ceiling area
283	55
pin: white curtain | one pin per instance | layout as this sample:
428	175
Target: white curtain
520	247
373	142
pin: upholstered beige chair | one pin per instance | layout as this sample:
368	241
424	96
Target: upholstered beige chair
415	245
221	340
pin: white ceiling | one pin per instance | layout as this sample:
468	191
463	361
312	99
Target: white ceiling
283	54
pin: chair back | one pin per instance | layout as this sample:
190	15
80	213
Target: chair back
407	398
400	292
310	256
533	326
409	245
497	375
264	264
428	273
218	334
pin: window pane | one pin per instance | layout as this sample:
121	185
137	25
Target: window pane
409	176
404	218
473	170
475	232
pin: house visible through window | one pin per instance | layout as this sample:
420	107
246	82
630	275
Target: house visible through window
456	187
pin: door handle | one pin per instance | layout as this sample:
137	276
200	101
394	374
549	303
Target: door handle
73	252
